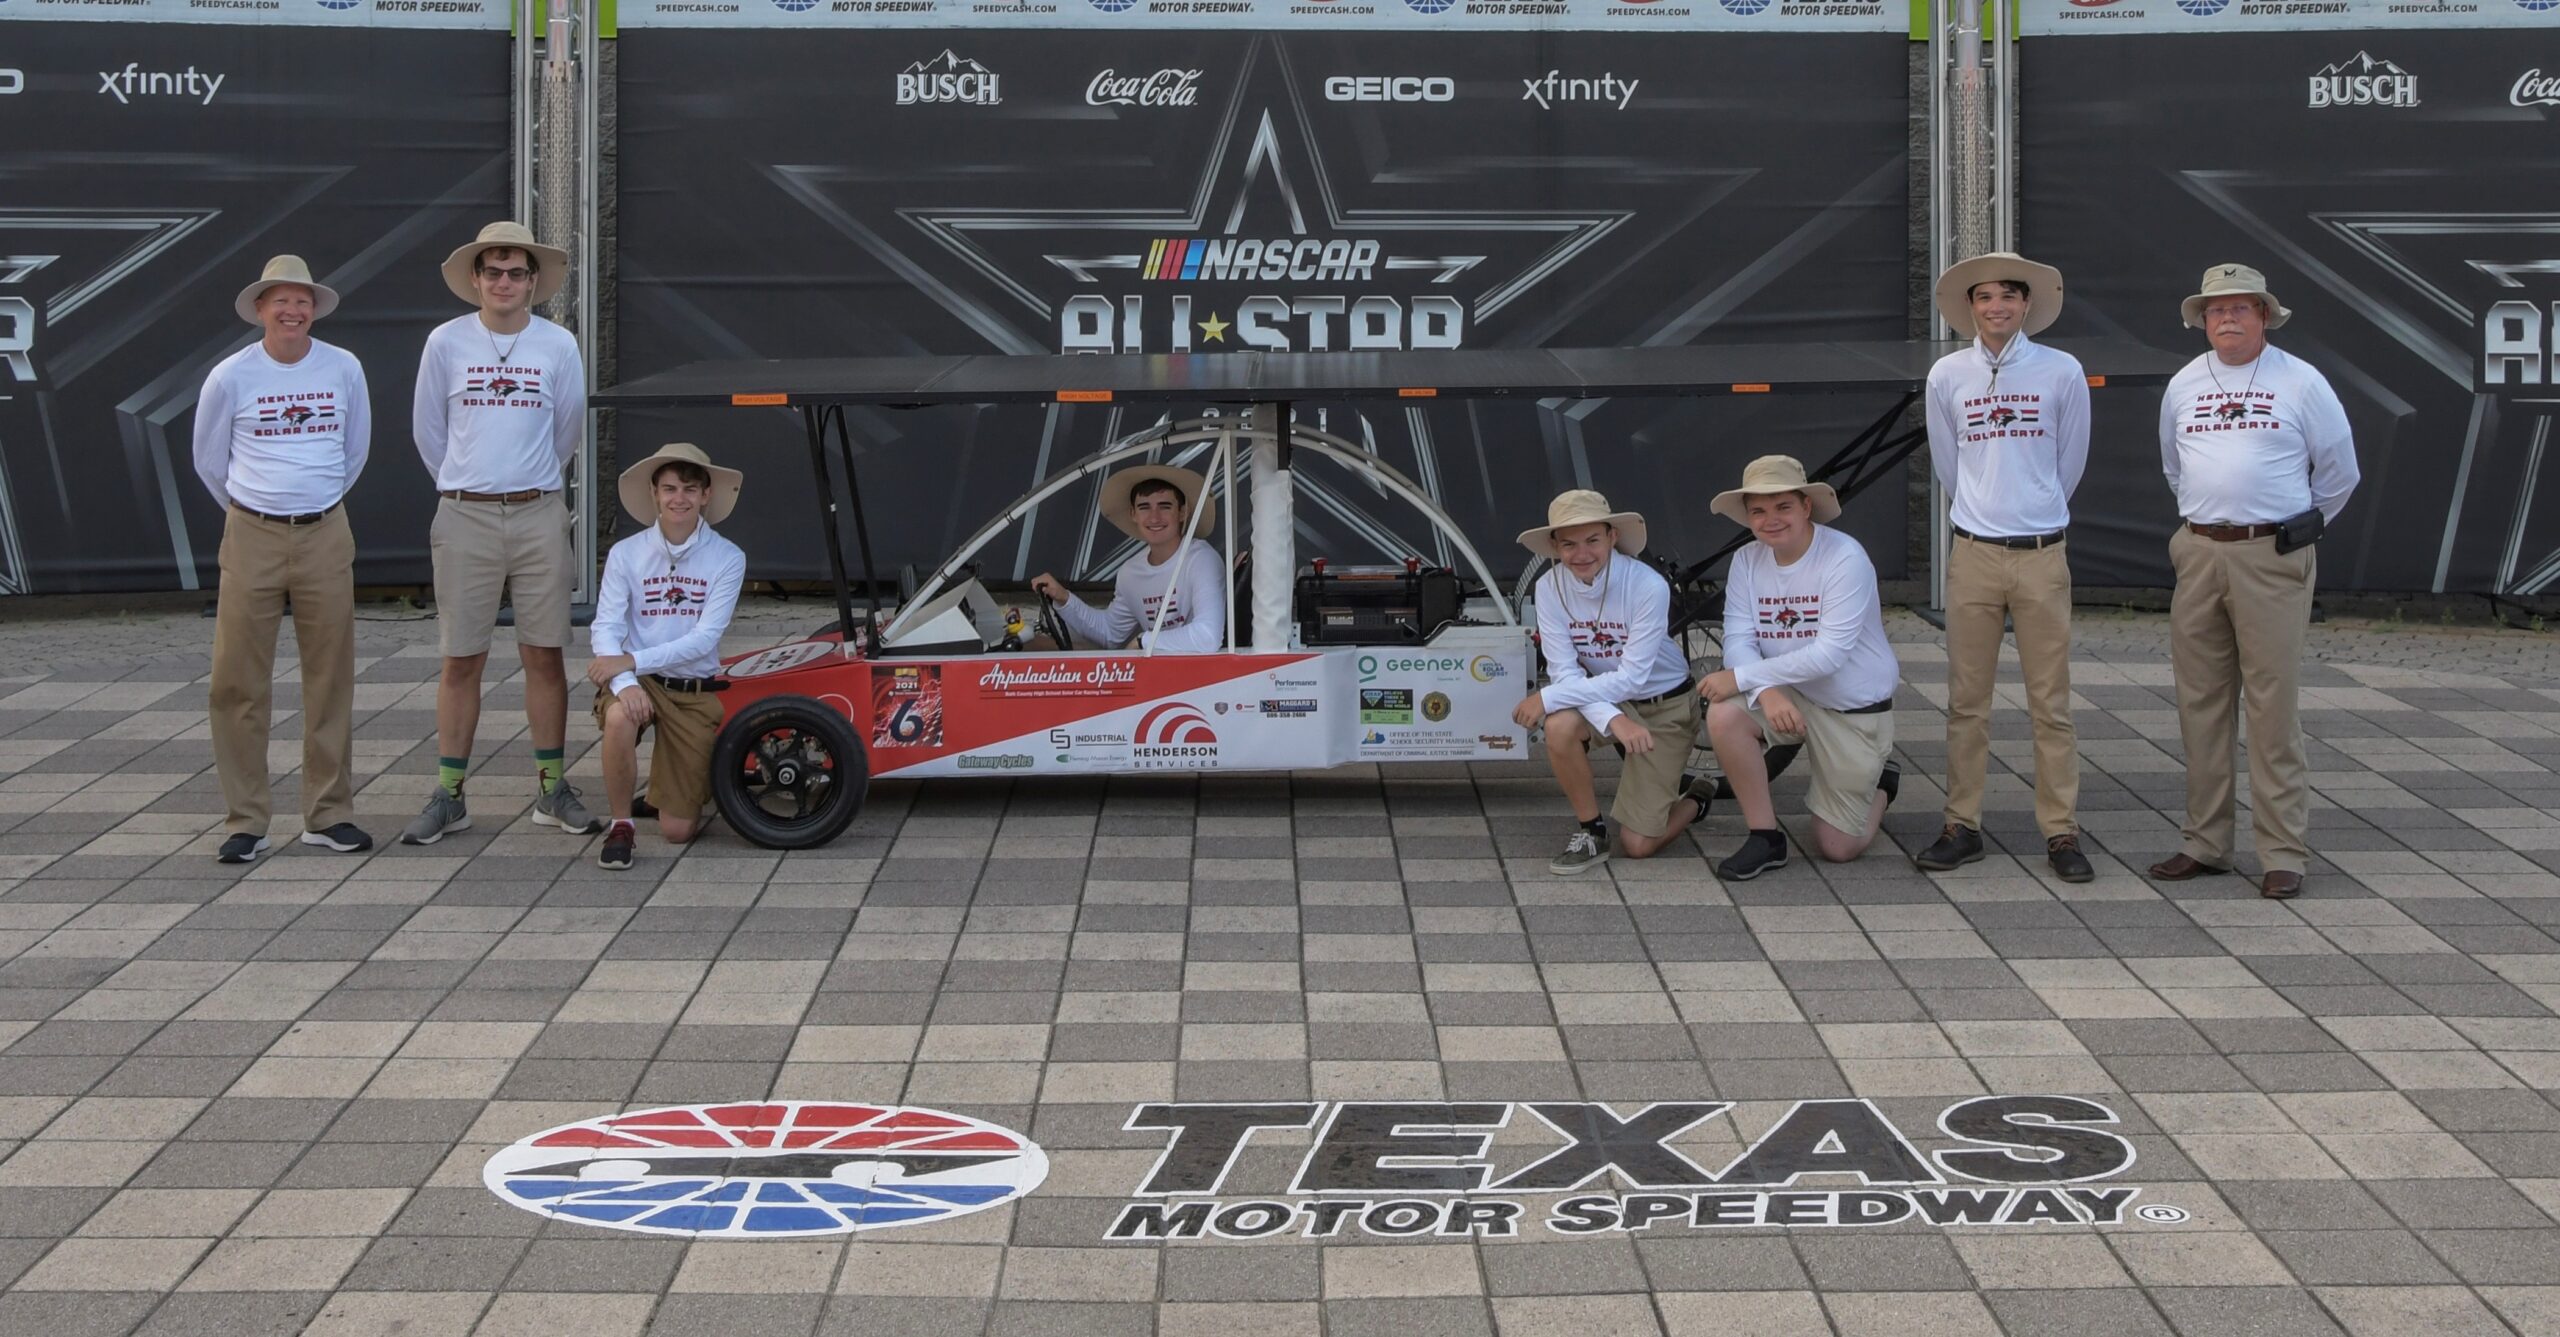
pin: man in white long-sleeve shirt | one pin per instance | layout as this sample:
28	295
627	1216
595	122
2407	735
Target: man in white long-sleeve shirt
282	429
500	407
667	597
1613	673
2257	448
2008	441
1154	504
1806	661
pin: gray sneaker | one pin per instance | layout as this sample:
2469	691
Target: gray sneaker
1582	853
562	809
443	815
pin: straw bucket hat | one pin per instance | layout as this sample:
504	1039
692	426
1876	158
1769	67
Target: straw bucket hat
1955	289
1121	509
1584	507
639	483
2230	280
513	236
281	270
1772	474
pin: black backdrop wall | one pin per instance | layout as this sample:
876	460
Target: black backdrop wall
132	217
779	197
2389	227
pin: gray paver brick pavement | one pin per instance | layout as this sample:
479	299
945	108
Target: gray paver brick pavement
239	1101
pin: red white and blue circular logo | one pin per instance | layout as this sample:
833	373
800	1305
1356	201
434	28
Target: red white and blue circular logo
769	1170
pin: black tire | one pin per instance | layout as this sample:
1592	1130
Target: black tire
789	773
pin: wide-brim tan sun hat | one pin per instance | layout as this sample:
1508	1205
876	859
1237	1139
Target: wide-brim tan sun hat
639	487
1771	474
285	269
1584	507
2232	281
1121	509
514	236
1955	290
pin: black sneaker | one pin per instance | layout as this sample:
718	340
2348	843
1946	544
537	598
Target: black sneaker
643	809
2069	864
1759	854
1583	852
1891	783
345	838
241	848
1957	846
1702	790
616	852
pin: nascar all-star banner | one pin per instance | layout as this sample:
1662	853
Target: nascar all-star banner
835	193
2398	190
2082	18
151	167
1451	18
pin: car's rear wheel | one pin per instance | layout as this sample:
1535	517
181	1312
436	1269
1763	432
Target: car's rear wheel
789	773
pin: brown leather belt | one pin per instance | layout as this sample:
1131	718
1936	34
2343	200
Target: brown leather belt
2234	533
311	518
529	494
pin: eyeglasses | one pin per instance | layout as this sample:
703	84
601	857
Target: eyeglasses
2222	310
516	275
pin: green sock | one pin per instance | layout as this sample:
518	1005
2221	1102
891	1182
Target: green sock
449	773
547	760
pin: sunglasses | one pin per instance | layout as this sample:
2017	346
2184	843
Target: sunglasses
516	275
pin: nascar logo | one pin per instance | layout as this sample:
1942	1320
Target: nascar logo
1215	258
766	1170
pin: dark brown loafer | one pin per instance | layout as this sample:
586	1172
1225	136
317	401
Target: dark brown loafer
2179	867
2281	886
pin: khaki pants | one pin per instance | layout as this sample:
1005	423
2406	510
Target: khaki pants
2235	630
1848	752
483	551
1648	785
263	564
2030	587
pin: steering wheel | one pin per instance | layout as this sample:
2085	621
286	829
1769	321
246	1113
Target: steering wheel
1053	626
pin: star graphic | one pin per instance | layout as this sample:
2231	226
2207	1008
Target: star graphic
1213	330
1263	176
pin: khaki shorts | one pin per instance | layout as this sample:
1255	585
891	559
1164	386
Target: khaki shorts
483	550
680	767
1649	784
1848	753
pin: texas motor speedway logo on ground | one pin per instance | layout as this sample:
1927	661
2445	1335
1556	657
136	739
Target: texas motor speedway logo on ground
1407	1169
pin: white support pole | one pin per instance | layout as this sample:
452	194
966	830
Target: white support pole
1275	557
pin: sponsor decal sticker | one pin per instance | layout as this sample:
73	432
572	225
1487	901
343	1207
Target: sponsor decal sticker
2532	88
1386	705
906	705
1164	88
1435	706
781	658
766	1170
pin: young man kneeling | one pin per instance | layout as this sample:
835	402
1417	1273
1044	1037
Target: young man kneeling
1806	662
667	596
1613	675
